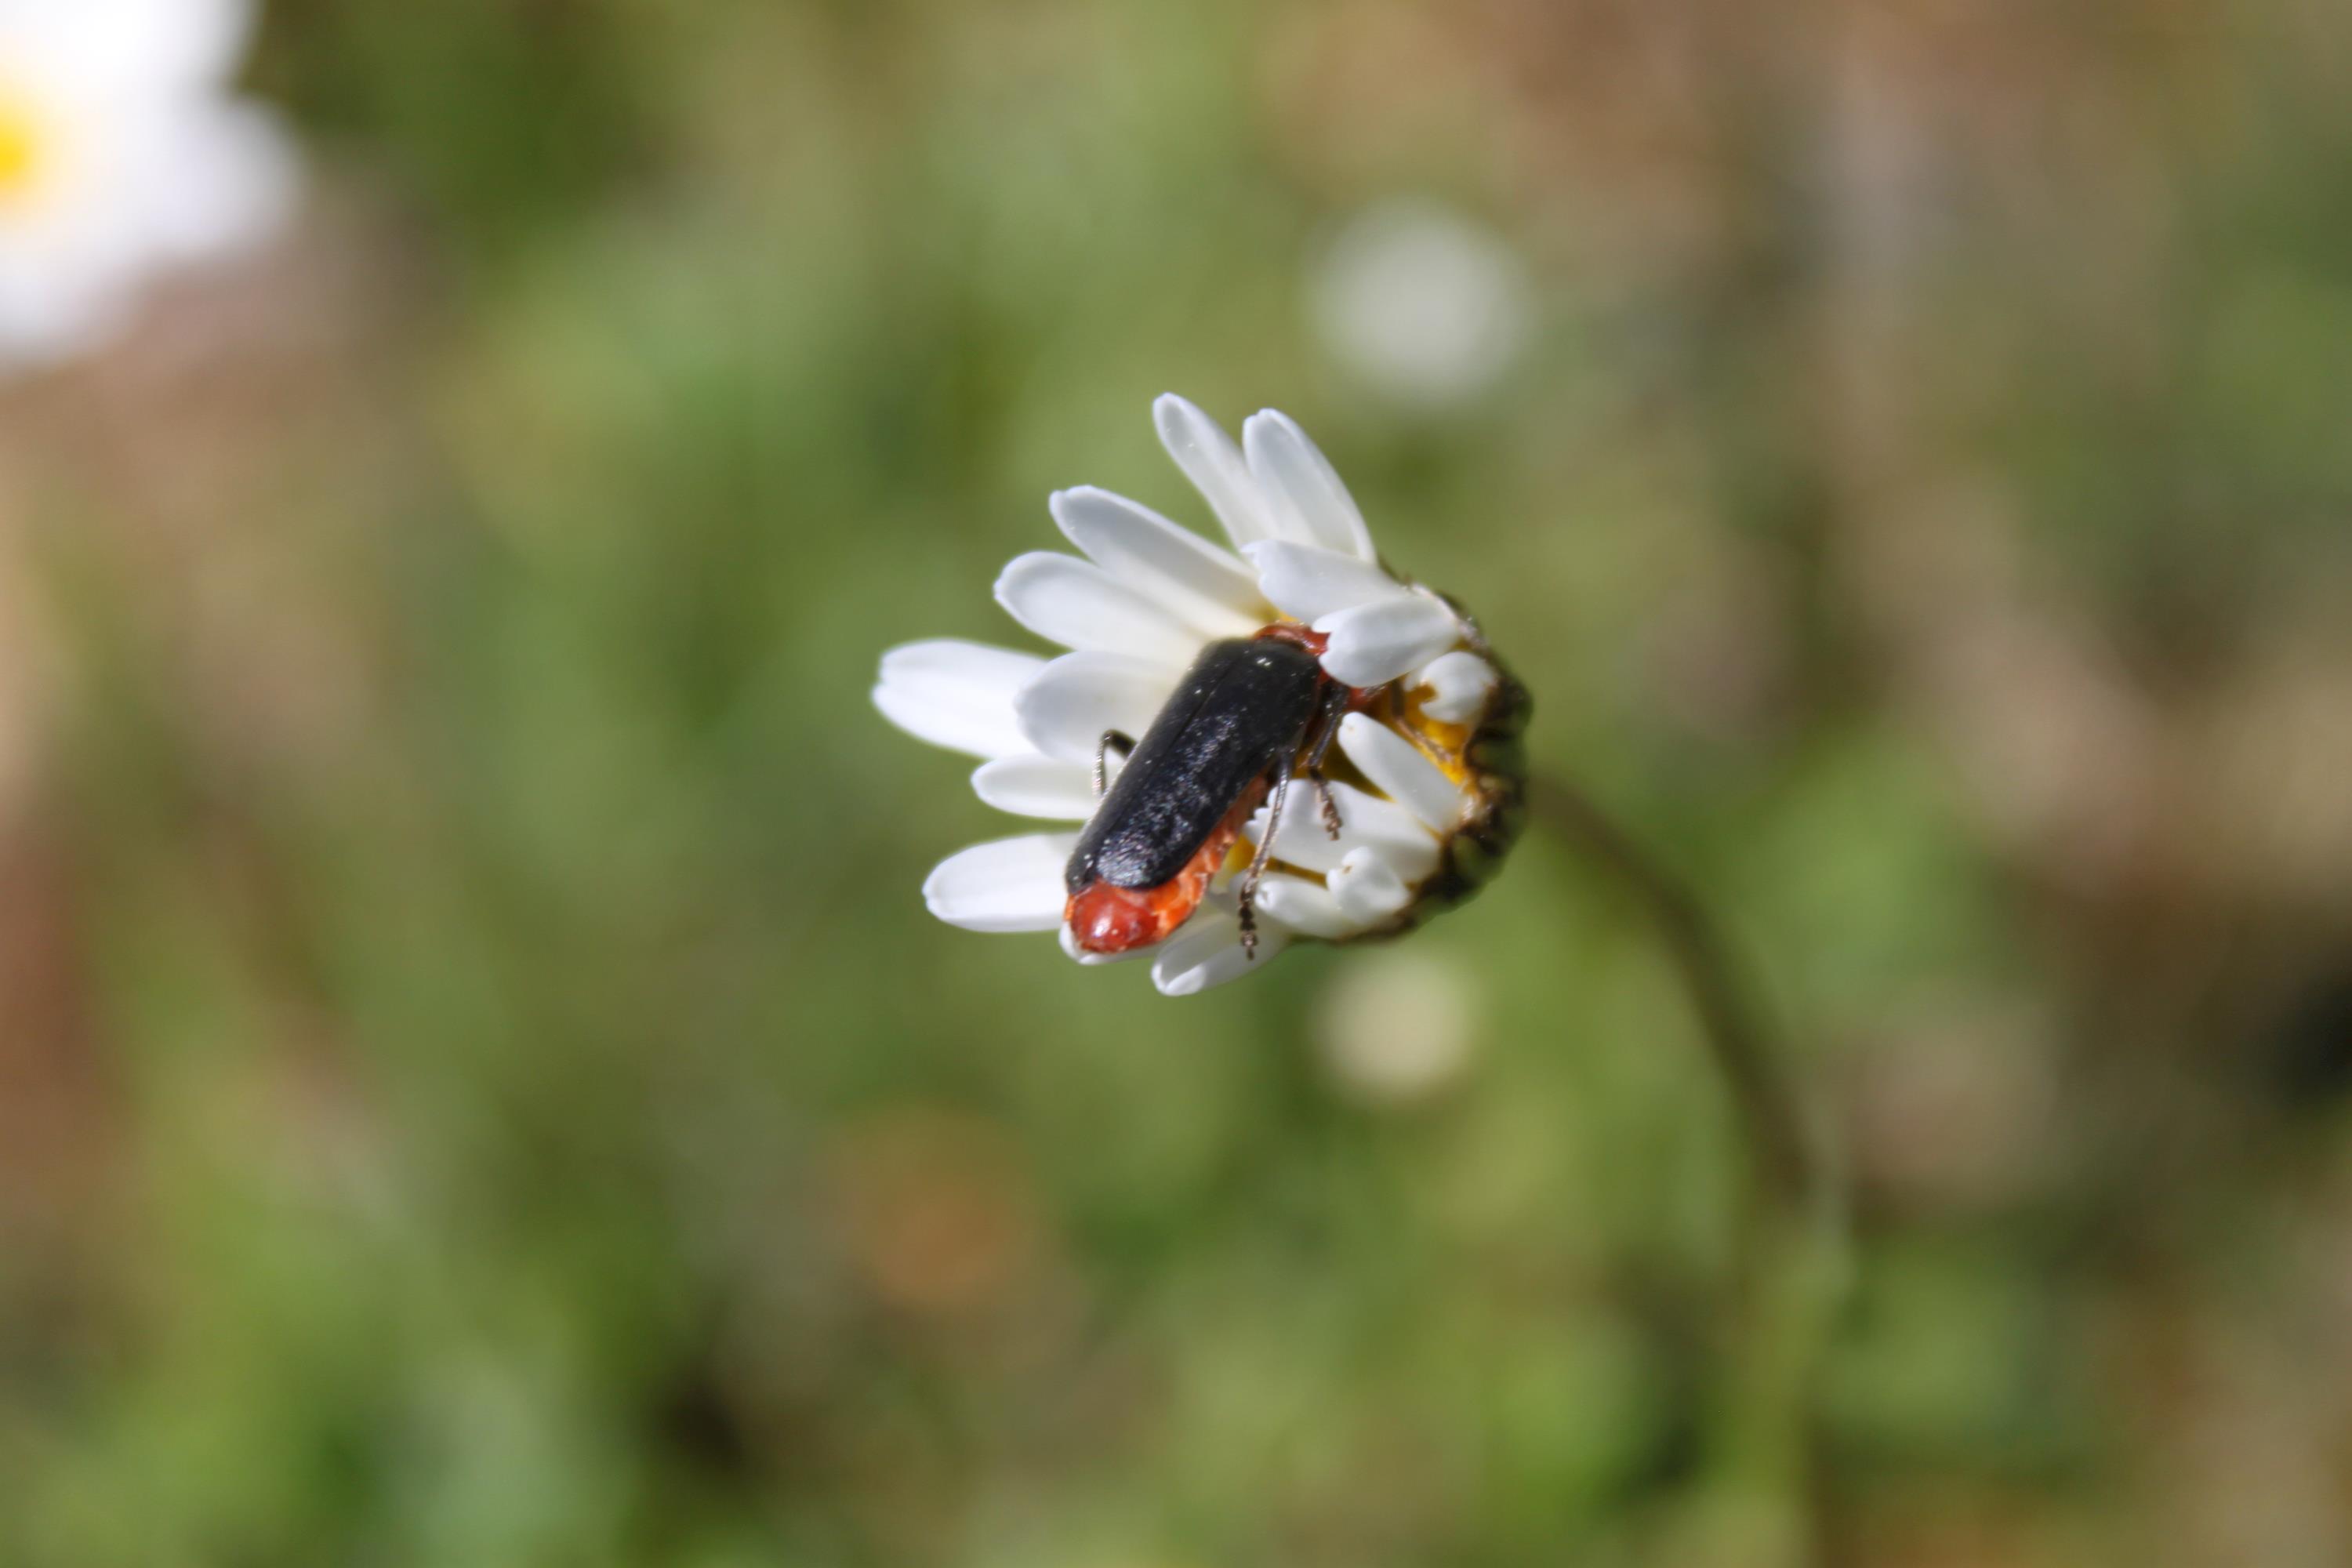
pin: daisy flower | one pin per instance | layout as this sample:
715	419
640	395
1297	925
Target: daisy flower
122	154
1295	657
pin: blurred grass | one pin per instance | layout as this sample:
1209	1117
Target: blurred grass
484	1089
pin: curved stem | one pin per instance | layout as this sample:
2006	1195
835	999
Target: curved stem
1795	1253
1789	1173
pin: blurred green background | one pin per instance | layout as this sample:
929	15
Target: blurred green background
478	1085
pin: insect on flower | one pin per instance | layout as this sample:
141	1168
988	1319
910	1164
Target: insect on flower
1228	739
1328	750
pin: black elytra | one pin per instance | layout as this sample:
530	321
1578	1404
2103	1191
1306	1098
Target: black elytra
1238	717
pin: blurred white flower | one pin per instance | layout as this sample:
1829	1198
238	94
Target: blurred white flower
1427	798
1398	1027
123	155
1423	306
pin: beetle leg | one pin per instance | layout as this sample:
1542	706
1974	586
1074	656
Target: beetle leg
1426	743
1126	744
1329	808
1326	726
1259	861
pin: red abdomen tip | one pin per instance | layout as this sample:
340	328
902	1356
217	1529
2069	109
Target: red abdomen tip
1104	919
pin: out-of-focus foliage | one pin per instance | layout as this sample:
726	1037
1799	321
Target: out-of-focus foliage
478	1085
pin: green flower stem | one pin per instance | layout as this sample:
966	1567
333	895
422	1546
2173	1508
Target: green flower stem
1792	1269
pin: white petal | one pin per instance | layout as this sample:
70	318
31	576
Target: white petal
1404	775
1366	822
957	694
1070	945
1213	591
1368	889
1208	951
1459	684
1216	465
49	314
1371	644
145	174
1006	884
1038	786
228	181
131	45
1306	907
1307	583
1310	503
1065	710
1079	605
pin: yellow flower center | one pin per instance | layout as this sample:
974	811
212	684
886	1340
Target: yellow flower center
1440	741
21	147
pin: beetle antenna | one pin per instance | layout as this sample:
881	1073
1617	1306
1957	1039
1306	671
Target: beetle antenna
1326	725
1259	861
